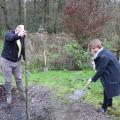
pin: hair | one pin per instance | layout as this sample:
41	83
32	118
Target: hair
20	27
95	43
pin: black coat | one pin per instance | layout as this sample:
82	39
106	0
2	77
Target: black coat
10	49
108	70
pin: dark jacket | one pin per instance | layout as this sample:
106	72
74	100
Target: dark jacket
10	49
108	70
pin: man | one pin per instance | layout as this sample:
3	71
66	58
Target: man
10	59
108	70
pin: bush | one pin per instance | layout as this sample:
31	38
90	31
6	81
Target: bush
2	32
36	65
80	56
54	63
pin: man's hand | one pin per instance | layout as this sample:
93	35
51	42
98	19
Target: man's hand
21	34
25	33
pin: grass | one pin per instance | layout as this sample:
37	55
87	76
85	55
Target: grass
1	45
64	82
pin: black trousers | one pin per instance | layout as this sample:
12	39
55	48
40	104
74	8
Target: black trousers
106	101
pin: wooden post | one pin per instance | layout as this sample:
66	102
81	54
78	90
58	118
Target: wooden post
25	12
26	66
45	51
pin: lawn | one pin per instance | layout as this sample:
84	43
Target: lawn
62	82
65	82
1	45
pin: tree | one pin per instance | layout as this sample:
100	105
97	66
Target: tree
84	18
58	15
45	13
19	11
3	7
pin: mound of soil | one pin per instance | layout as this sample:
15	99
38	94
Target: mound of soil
43	106
80	111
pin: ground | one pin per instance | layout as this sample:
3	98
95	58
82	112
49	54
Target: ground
42	105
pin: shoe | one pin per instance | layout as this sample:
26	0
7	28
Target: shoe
102	111
110	105
9	99
8	93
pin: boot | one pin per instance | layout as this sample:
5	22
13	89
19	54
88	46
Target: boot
21	90
9	99
8	93
102	111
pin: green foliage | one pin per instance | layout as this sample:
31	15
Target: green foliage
80	56
2	31
107	44
1	45
36	65
54	63
50	26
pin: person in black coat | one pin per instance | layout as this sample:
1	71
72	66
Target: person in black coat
12	51
11	48
107	70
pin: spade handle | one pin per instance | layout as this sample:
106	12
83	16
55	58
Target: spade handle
87	84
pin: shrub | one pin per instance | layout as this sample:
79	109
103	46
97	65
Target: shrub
36	65
80	56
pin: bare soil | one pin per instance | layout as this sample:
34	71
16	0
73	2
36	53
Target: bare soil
43	106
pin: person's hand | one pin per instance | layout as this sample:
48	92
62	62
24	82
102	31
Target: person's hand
25	33
21	34
90	80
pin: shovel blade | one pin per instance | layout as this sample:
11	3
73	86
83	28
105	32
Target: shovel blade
77	94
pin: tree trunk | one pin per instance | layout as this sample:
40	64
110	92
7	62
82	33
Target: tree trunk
56	15
46	13
3	7
6	18
19	12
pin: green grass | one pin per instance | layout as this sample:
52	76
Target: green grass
65	82
1	45
62	82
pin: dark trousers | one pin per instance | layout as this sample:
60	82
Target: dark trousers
106	102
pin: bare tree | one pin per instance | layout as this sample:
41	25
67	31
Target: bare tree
19	11
3	7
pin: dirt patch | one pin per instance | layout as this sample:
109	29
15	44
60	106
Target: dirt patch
43	106
81	111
